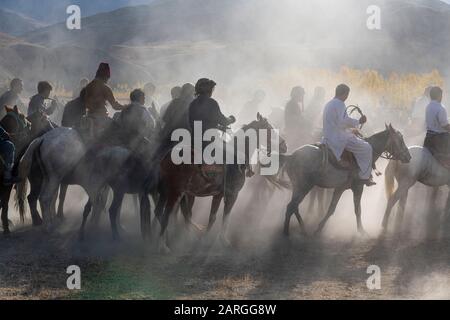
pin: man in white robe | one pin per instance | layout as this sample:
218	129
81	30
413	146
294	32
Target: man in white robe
437	139
340	131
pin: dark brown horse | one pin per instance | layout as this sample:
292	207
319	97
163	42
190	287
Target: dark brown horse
187	181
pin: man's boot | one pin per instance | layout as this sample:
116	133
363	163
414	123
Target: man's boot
9	179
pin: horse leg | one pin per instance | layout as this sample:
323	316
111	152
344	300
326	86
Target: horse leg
357	195
391	203
229	201
300	222
298	194
312	198
334	201
170	206
35	189
159	209
62	198
401	210
113	213
6	192
186	205
146	221
86	212
99	205
321	198
48	194
215	204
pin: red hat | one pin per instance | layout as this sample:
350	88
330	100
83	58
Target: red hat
103	71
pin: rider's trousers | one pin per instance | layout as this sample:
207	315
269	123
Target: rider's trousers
362	151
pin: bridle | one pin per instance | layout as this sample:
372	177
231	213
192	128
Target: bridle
389	153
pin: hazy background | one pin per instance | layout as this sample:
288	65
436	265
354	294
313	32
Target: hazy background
171	41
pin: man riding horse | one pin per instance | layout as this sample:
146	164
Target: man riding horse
135	121
206	110
340	133
438	128
96	95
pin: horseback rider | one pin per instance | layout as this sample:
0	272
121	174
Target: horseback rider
11	97
340	133
37	102
177	113
252	107
175	117
206	110
438	127
174	94
135	121
149	90
96	95
7	151
293	116
74	111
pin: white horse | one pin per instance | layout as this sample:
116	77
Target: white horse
61	155
423	167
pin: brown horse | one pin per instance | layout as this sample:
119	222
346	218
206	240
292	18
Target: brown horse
21	133
187	181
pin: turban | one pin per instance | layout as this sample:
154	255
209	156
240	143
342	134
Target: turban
103	71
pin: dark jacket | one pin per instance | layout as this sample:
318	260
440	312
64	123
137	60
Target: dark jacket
206	110
73	113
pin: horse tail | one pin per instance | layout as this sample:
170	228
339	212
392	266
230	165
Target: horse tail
277	180
24	171
389	177
21	191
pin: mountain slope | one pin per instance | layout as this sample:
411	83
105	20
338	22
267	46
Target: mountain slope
187	38
15	24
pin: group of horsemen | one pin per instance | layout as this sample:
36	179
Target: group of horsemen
195	103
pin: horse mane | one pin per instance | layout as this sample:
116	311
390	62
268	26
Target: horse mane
377	142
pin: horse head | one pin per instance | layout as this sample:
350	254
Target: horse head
261	123
396	147
16	124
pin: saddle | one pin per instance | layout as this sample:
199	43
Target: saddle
347	162
209	172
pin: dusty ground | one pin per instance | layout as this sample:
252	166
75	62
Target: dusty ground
261	264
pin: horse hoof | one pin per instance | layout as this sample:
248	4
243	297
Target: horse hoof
163	249
6	232
363	233
225	242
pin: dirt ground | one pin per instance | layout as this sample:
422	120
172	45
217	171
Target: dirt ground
260	264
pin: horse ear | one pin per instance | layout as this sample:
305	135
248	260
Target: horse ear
258	116
16	110
387	128
391	127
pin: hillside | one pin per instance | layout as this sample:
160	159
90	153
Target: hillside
186	38
13	23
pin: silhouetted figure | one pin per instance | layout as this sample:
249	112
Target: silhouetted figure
11	97
37	102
